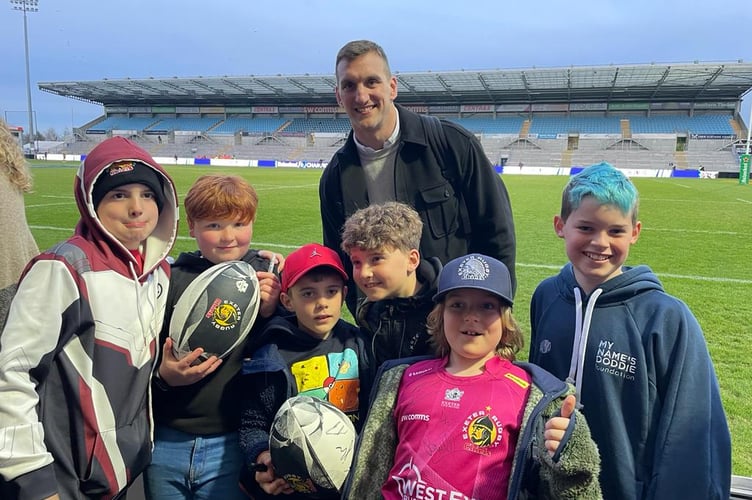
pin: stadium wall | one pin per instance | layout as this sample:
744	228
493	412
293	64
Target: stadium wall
503	170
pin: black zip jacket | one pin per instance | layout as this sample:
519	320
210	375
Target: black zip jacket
397	327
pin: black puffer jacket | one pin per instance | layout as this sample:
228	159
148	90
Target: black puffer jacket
397	327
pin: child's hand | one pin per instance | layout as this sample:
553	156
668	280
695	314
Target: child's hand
275	260
269	286
268	481
177	372
556	427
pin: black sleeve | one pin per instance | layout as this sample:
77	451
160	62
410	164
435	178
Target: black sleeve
261	396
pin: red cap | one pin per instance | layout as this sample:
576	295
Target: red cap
307	257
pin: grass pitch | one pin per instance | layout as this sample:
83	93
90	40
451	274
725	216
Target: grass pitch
695	237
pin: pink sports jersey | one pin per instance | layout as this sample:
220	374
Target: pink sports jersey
457	435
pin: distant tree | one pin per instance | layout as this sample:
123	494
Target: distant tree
51	135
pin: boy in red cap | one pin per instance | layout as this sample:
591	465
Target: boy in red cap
78	350
312	351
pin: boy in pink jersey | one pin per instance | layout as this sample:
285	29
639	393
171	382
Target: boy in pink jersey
472	423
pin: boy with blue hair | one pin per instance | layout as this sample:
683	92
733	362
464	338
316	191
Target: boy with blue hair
636	355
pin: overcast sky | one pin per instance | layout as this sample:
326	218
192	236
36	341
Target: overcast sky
96	39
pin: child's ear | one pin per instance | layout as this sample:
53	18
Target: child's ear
191	226
559	226
285	300
636	232
413	257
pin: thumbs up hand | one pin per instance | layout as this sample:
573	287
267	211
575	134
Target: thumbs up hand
556	427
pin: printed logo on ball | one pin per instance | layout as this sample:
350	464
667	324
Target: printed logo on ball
224	314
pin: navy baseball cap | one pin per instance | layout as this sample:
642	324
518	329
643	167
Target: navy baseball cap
475	271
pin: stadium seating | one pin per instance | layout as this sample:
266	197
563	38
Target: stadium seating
313	125
631	141
123	123
498	125
669	124
550	125
233	125
184	124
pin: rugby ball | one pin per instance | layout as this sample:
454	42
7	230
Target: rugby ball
216	311
312	444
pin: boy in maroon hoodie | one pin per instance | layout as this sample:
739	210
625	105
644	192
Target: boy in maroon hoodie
77	352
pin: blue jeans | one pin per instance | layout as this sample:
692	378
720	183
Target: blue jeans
187	466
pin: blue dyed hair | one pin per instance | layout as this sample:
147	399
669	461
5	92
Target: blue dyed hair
604	183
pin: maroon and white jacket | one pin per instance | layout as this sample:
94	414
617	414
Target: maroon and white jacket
78	350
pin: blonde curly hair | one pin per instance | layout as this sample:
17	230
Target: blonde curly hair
12	161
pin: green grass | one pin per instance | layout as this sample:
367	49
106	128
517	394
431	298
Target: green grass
695	237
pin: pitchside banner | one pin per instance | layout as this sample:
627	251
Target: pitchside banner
744	169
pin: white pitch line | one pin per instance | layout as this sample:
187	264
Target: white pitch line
668	200
744	201
261	244
42	205
700	231
660	275
274	188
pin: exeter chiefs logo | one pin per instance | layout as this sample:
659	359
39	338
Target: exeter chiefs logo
473	267
481	430
225	314
300	484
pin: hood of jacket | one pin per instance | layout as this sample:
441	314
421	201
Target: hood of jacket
615	292
90	229
633	281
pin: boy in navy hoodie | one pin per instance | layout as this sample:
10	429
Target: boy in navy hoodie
636	355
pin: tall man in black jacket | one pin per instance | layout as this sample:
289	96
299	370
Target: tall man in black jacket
394	154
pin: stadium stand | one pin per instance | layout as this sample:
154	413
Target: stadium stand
682	116
580	125
233	125
490	125
314	125
184	124
123	123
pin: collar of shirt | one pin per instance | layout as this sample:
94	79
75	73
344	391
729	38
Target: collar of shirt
391	141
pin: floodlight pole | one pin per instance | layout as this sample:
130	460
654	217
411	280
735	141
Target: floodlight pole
27	6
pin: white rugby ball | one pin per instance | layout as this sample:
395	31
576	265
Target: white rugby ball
216	311
312	443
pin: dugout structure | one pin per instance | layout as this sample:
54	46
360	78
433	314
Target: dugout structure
681	116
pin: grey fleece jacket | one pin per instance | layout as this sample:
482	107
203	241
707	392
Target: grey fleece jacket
572	473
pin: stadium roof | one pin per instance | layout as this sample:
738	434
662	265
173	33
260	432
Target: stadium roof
683	82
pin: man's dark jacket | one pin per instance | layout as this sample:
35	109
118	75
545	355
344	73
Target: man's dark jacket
486	226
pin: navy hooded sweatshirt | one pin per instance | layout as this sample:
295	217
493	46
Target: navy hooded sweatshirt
646	381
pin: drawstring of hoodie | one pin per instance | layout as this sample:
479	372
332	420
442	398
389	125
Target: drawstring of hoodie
581	333
146	334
